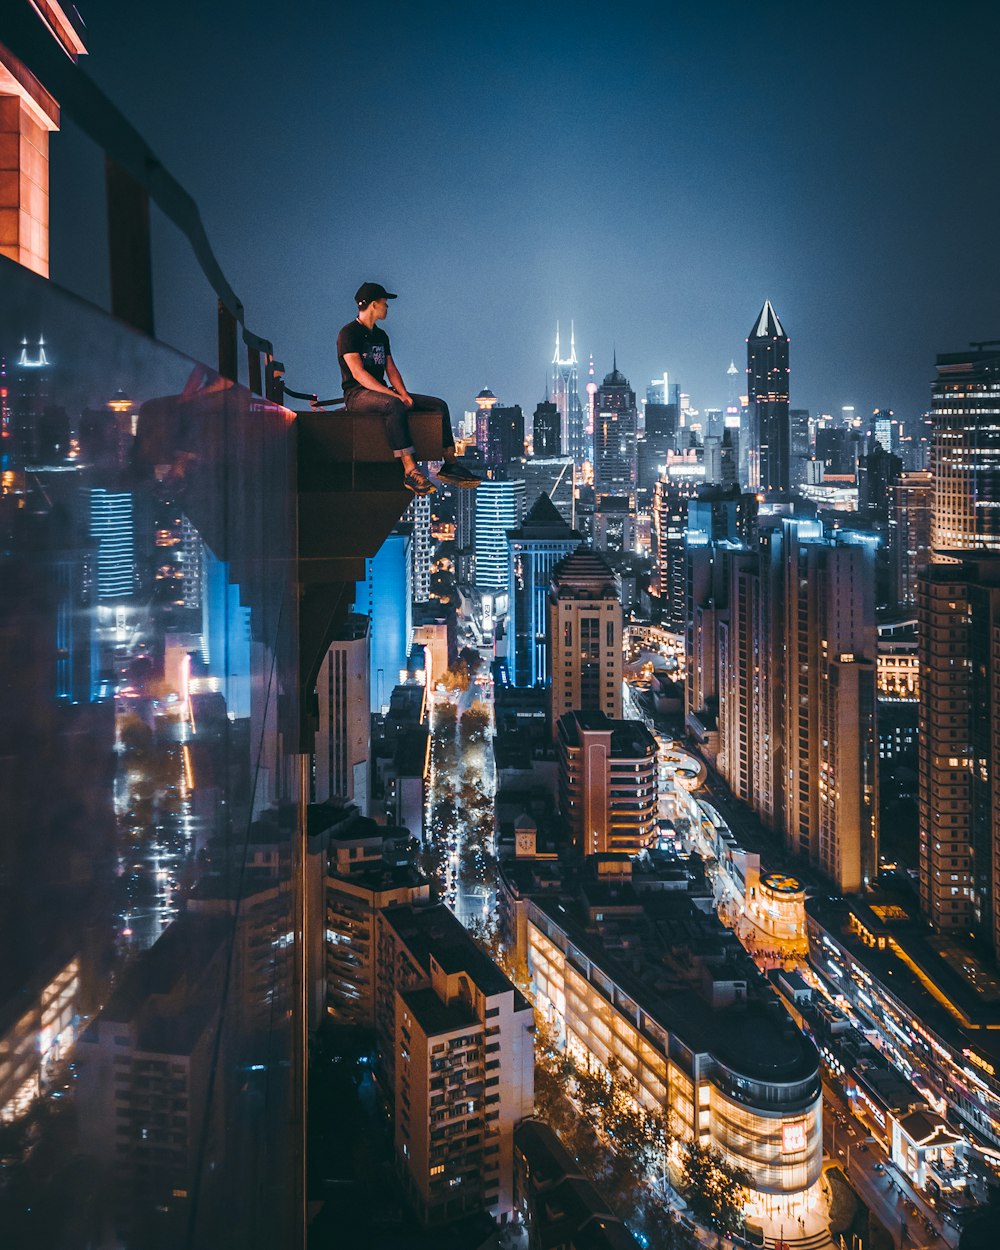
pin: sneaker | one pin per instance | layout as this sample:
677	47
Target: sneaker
456	475
420	485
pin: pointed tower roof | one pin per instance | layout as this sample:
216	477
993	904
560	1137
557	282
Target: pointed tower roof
584	575
767	325
543	521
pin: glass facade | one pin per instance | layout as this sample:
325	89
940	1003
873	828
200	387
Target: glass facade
150	689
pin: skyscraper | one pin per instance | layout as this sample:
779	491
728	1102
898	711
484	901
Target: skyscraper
546	430
958	629
386	597
499	507
566	396
585	637
767	388
615	435
910	524
499	430
797	694
965	451
418	514
111	525
536	547
343	736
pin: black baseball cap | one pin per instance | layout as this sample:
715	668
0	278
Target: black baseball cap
369	291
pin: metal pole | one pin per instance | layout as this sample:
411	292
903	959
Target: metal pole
227	343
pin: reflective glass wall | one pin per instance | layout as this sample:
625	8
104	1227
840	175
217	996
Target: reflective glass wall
149	800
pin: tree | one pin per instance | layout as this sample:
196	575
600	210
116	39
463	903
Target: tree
712	1189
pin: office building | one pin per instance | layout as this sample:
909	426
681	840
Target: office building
565	392
585	637
343	736
658	439
112	528
499	507
607	783
535	548
386	598
546	437
418	516
799	446
878	472
615	434
965	451
767	388
885	430
958	627
912	506
554	476
454	1038
499	432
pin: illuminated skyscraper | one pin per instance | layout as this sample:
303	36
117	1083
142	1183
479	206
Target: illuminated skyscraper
566	397
585	637
547	430
615	439
536	547
958	627
965	451
499	508
111	525
767	387
343	737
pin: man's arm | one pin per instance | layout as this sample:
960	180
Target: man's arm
397	382
365	379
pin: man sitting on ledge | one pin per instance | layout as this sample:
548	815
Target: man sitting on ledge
365	358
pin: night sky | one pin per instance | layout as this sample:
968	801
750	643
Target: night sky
652	171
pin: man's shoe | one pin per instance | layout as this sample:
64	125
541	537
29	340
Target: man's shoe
457	475
420	485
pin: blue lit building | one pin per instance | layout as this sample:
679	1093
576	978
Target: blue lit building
386	597
534	549
112	526
226	636
499	508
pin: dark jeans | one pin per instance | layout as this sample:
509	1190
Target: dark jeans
397	416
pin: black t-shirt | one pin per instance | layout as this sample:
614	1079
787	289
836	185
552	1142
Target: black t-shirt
371	345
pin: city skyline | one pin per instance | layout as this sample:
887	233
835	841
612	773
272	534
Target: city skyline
822	209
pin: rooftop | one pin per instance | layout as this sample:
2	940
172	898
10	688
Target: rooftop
436	1017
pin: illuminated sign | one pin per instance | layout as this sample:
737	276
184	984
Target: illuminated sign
980	1062
793	1137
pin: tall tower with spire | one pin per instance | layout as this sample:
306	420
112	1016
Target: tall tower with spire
566	397
769	467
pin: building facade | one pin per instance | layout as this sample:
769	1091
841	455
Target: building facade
535	548
767	387
343	736
499	507
585	637
965	452
616	431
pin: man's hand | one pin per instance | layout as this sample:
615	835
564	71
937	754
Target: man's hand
405	399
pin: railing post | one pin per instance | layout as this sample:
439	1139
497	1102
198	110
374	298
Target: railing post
227	343
254	371
129	248
275	380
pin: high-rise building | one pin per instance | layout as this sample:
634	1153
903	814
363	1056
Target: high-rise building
536	547
912	504
885	430
797	694
455	1043
546	430
418	515
566	396
343	737
615	435
767	388
658	439
878	472
585	637
607	783
554	476
670	519
386	598
112	527
799	449
958	629
965	451
499	507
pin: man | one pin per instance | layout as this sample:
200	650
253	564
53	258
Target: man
365	359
